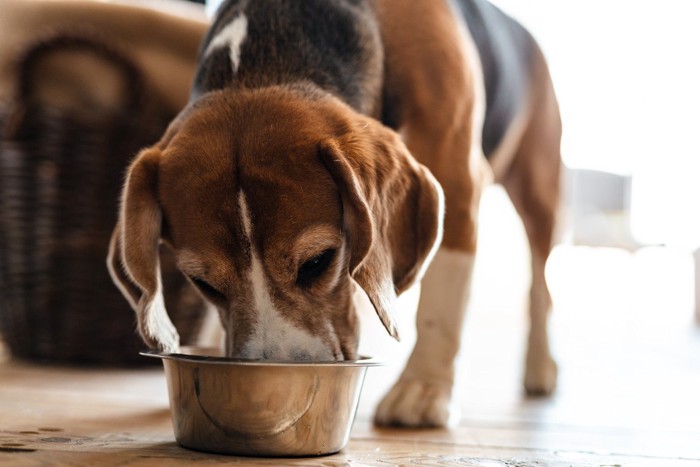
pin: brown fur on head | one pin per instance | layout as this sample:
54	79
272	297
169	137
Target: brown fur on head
274	201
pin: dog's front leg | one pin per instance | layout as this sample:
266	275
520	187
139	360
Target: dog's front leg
423	394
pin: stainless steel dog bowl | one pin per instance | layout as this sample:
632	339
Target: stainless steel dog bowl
261	408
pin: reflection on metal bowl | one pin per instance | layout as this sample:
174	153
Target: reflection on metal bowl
261	408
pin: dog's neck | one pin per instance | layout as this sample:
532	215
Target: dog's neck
333	45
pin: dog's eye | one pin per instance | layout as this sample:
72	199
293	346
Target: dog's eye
207	289
314	267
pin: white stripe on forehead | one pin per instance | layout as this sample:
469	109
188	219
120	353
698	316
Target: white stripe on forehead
263	301
274	337
232	36
245	217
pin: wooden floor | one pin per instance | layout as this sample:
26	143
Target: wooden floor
629	394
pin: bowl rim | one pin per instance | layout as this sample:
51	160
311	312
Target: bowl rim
362	361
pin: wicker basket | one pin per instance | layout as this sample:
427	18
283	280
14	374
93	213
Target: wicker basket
60	177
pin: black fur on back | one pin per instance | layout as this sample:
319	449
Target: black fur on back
505	49
336	45
333	44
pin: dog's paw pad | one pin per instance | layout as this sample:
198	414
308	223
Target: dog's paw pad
415	403
540	376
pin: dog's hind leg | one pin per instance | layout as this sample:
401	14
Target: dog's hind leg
533	184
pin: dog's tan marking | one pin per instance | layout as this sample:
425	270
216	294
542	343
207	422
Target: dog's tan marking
447	141
316	239
190	263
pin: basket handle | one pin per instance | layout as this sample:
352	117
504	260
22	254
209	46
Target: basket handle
87	43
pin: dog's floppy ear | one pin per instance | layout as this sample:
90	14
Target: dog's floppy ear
133	259
392	208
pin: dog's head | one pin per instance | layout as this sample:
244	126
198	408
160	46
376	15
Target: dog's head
275	203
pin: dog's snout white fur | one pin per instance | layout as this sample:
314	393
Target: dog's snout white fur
274	337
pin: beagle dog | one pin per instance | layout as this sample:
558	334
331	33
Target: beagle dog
334	145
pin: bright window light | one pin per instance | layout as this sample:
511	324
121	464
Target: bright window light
627	75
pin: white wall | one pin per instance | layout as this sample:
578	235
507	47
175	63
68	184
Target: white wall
627	74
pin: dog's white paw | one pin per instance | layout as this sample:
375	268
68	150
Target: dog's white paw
416	403
540	375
